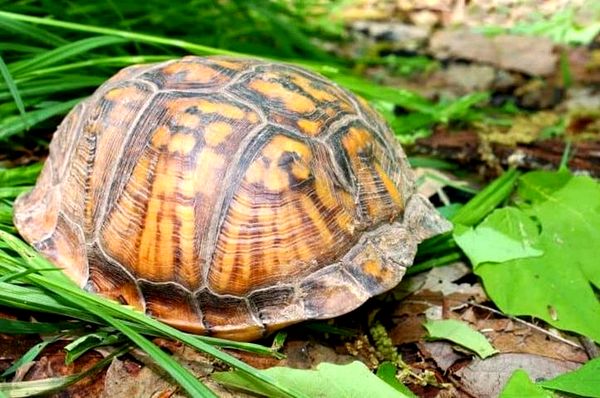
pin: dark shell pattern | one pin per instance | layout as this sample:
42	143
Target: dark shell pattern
227	196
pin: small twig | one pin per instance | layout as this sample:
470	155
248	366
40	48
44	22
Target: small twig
531	325
590	347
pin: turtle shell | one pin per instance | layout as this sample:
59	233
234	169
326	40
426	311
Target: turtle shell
227	196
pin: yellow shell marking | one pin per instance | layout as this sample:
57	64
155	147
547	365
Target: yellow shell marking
188	120
207	171
217	132
194	72
309	127
372	268
123	94
235	65
389	186
292	101
182	143
319	95
177	106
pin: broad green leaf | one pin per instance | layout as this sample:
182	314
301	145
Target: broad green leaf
327	381
387	372
584	381
462	334
519	385
506	234
556	285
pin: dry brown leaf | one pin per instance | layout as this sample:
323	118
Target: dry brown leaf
440	352
485	378
308	354
52	364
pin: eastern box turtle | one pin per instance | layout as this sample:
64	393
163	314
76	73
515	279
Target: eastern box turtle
227	196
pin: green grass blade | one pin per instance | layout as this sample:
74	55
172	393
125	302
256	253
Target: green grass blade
12	192
12	86
62	286
20	48
46	386
59	54
55	86
11	126
35	299
29	356
11	326
185	379
32	32
108	61
140	37
487	200
24	175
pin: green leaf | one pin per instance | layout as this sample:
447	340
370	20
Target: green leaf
555	286
462	334
506	234
519	385
387	372
327	381
584	381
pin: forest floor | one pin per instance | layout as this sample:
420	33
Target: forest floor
539	67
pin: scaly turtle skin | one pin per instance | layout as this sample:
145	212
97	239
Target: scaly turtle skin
227	196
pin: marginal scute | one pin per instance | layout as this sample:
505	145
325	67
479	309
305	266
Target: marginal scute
277	305
177	308
63	142
112	280
226	196
224	314
371	269
318	289
66	248
37	210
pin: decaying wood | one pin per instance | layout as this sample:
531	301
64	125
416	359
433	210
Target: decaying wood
467	148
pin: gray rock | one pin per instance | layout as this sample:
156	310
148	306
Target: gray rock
400	36
530	55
